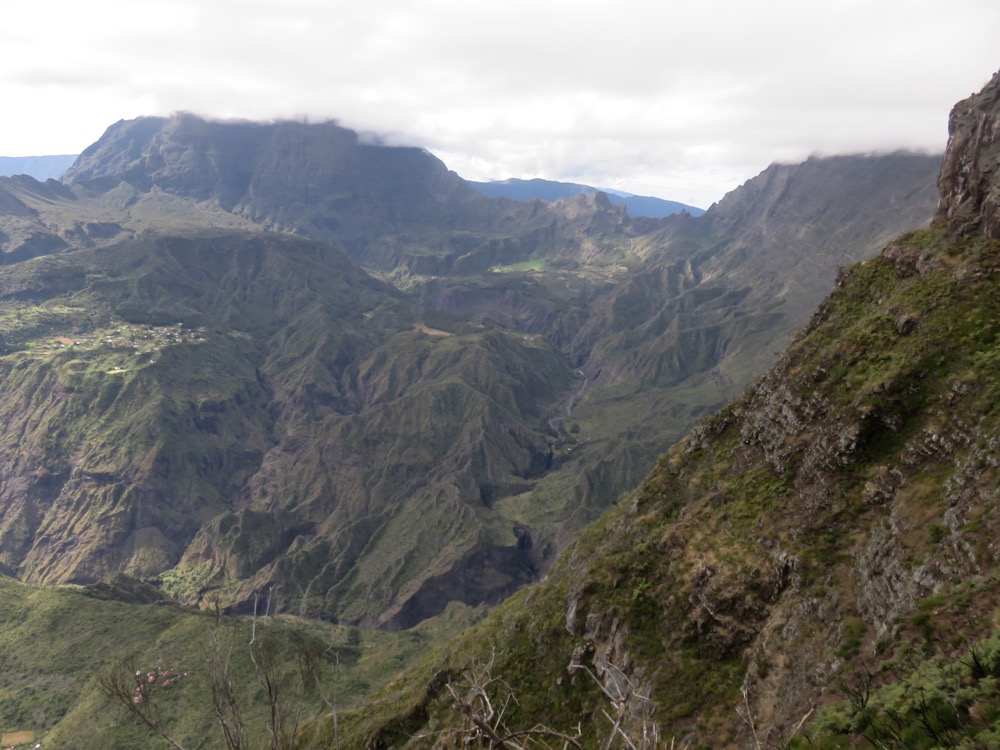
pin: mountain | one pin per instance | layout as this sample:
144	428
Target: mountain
775	243
549	190
210	383
318	178
396	211
40	167
287	429
814	565
247	362
703	307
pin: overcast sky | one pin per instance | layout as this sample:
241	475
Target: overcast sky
682	101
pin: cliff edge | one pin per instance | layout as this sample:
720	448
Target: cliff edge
969	183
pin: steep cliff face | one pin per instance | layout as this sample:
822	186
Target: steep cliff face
970	176
828	533
238	162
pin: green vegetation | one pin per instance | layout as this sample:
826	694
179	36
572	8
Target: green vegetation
53	687
49	329
915	702
177	364
184	413
525	266
222	410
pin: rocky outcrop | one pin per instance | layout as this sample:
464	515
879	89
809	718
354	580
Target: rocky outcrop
970	175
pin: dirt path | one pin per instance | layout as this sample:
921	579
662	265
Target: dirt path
7	739
431	331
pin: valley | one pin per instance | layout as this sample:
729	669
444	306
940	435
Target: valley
345	415
247	360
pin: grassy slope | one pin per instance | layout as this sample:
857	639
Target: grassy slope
59	642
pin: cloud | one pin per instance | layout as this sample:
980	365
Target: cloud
688	100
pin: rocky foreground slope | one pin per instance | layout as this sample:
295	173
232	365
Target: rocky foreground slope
816	565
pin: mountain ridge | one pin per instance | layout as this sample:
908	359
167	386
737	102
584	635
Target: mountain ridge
551	190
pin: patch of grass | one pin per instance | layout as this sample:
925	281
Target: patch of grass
51	688
525	266
852	631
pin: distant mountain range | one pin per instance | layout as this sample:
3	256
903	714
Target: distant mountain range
40	167
549	190
53	167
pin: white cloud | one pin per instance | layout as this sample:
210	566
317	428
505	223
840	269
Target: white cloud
684	101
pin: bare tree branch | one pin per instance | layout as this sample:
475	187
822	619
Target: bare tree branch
131	688
287	680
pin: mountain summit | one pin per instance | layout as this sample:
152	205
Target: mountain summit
318	179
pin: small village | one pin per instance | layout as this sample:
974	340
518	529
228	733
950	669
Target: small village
138	338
